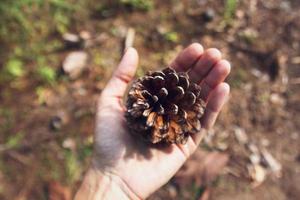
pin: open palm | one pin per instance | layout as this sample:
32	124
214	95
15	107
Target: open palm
143	168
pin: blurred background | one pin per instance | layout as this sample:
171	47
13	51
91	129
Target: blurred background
57	55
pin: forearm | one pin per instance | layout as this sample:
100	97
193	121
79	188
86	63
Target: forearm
97	186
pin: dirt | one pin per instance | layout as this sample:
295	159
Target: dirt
262	43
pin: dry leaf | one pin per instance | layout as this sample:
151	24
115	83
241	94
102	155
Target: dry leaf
58	192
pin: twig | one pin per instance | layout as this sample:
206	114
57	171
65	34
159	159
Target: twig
129	38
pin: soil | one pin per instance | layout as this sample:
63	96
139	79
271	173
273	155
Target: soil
262	42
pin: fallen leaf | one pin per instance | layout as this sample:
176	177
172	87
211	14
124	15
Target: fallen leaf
58	192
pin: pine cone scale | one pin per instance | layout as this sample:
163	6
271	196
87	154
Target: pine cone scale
151	119
163	93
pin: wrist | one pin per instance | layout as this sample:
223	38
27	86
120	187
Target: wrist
105	186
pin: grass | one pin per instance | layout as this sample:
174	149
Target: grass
72	167
17	17
171	36
239	77
8	120
14	141
230	9
25	41
14	68
144	5
85	150
46	74
41	93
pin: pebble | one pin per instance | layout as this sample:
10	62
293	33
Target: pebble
55	123
209	15
75	63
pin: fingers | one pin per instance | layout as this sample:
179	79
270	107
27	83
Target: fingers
217	99
217	75
124	73
209	58
187	58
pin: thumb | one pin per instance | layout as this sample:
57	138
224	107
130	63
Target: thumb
124	73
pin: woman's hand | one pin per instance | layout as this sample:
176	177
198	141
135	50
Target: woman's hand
134	170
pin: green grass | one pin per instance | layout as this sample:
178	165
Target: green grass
8	120
239	77
144	5
230	9
249	36
46	74
72	167
14	68
17	17
26	31
85	150
171	36
40	93
14	141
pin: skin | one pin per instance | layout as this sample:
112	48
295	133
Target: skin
138	169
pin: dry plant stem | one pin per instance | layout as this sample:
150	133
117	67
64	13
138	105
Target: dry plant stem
129	38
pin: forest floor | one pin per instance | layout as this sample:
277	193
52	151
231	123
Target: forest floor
46	129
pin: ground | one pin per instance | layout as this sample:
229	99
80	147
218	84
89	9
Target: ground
47	121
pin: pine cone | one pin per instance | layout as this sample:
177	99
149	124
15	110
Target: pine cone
164	107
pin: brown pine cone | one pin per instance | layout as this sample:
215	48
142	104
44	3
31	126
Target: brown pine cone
164	107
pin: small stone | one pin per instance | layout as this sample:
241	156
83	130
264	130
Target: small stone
277	99
75	63
208	15
255	158
58	120
55	123
295	135
172	191
69	143
285	6
240	135
85	35
265	142
72	41
257	173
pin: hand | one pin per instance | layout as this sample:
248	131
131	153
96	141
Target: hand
136	168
